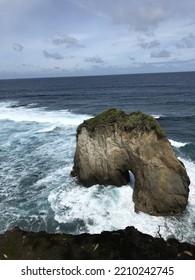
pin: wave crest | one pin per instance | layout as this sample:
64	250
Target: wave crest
28	113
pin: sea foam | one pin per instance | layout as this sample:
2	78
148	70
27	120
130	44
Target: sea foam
177	144
38	193
27	114
109	208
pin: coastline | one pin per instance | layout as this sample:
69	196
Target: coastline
38	140
127	244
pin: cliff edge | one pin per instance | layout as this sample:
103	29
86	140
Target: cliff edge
127	244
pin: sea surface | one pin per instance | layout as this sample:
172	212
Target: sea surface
38	121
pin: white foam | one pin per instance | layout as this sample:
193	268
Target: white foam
190	167
47	129
156	116
101	208
32	105
97	206
177	144
111	208
40	115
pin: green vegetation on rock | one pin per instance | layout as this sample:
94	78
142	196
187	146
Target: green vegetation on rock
127	122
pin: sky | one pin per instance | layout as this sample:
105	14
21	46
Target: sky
57	38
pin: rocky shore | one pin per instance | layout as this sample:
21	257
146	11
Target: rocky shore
108	147
127	244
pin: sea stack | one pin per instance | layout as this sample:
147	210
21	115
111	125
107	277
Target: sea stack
114	143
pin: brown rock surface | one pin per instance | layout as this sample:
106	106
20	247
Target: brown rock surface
112	143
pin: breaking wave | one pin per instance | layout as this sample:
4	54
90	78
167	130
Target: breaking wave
37	192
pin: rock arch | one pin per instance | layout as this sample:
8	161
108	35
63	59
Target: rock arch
112	143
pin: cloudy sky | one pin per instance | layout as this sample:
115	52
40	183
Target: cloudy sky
44	38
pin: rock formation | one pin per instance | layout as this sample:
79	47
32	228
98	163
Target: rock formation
127	244
114	143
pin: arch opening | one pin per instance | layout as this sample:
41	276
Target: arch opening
132	179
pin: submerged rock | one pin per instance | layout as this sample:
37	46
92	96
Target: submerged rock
114	143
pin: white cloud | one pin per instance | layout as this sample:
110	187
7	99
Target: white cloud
94	59
187	42
160	54
132	58
54	55
149	45
18	47
68	41
122	32
144	15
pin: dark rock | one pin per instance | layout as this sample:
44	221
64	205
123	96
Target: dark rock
112	143
128	244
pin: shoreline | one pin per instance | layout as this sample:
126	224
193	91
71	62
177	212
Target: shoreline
127	244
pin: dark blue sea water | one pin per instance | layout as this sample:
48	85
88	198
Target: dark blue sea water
38	121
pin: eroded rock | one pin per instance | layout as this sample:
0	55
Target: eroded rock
112	143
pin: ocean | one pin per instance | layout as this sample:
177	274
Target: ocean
38	122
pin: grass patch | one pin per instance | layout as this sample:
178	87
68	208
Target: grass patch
126	122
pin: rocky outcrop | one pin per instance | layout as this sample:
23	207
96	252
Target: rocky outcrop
127	244
114	143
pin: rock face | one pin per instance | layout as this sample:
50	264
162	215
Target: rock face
114	143
127	244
